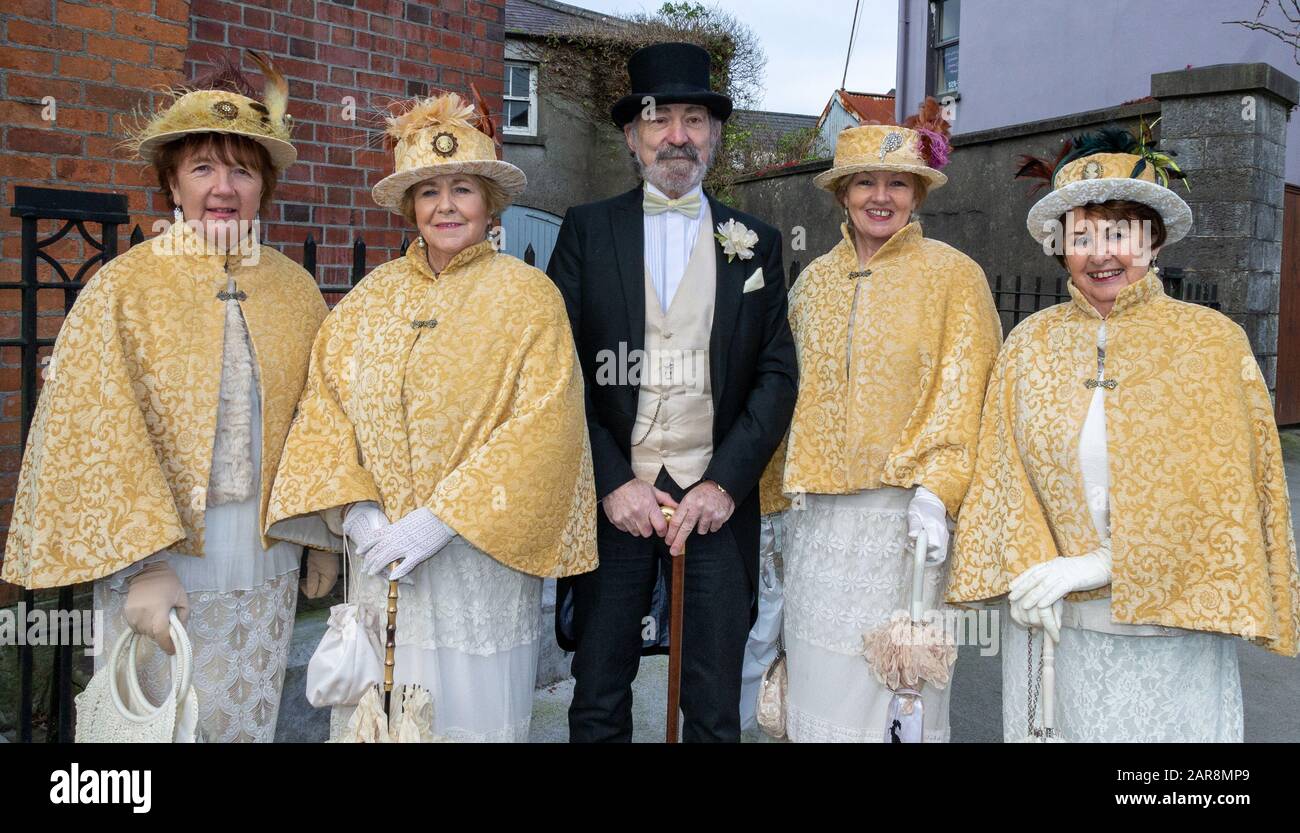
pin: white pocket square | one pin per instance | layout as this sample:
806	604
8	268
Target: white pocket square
755	281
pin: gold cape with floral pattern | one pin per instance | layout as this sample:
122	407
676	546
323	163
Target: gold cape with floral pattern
459	391
892	368
1199	514
120	449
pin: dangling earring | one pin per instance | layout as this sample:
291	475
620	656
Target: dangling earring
419	241
178	214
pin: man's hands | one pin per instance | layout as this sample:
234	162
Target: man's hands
634	508
704	509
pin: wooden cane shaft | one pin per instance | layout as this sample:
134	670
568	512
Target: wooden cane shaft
675	641
390	643
675	647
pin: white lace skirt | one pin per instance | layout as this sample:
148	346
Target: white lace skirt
241	647
468	630
1114	688
848	569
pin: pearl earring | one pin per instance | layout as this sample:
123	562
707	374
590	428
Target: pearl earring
419	241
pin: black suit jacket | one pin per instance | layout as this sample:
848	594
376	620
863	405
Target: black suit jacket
599	265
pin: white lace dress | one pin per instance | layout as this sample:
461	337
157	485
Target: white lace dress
242	598
469	630
1118	682
848	569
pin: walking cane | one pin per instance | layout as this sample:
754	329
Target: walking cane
675	638
390	645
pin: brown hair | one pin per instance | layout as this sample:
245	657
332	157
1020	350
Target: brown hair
1119	211
920	185
494	197
229	148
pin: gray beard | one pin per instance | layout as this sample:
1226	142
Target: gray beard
672	176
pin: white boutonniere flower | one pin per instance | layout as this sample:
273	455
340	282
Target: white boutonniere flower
736	240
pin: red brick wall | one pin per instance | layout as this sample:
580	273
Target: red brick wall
101	60
374	51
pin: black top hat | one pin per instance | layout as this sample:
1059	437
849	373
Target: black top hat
670	73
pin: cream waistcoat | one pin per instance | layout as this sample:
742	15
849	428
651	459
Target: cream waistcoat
675	404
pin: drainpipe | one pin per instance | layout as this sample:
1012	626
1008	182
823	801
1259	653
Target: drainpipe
900	83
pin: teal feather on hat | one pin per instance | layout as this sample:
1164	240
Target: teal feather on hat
1119	140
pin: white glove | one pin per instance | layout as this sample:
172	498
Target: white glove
927	512
412	540
1049	619
1036	592
364	525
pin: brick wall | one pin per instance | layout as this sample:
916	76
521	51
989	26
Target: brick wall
373	51
99	61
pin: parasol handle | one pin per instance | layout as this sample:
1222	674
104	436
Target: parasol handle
1049	684
918	576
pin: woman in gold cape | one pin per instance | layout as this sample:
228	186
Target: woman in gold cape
1129	492
896	335
443	421
152	453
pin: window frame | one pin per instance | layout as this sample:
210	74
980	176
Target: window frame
531	98
934	63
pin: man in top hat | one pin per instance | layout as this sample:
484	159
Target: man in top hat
678	307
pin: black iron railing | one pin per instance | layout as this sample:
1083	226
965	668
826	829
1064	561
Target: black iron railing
1018	297
77	210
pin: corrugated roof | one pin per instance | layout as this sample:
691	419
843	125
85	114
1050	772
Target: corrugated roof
870	108
545	17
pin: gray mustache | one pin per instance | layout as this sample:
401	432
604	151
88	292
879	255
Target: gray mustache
687	152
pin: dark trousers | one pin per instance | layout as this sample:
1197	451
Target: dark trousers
609	606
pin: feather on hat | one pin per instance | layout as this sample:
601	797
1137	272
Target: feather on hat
1107	164
215	110
439	135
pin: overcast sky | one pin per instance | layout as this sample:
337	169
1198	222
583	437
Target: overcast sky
805	42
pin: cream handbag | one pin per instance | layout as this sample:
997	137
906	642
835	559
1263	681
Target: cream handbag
350	656
106	715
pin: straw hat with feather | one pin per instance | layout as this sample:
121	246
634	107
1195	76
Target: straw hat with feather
919	146
266	122
1109	164
443	135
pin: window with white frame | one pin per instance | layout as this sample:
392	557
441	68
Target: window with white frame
520	99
